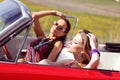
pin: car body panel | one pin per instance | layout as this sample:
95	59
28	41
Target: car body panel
34	71
10	23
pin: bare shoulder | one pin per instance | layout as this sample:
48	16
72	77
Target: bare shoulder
58	43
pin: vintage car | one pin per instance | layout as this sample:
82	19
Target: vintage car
15	24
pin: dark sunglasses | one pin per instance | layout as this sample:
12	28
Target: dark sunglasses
59	27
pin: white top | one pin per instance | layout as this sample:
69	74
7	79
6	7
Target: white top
65	55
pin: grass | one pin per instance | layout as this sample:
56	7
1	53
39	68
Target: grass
101	2
106	28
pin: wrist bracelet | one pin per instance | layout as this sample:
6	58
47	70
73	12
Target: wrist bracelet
94	51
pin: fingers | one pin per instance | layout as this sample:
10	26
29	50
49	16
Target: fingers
90	35
62	15
92	39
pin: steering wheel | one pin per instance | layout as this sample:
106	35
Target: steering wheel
6	52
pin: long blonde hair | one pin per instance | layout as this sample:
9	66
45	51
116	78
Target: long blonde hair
85	57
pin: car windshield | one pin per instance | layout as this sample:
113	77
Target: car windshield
9	52
6	15
15	21
2	23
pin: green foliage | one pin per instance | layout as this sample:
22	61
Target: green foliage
101	2
106	28
1	0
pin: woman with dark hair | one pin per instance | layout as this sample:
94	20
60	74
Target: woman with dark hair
48	47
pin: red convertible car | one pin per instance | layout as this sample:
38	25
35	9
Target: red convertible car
15	24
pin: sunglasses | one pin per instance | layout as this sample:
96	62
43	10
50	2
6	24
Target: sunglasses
59	27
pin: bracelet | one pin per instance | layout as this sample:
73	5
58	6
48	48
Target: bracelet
94	51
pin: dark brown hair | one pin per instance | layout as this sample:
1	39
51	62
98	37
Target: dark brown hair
63	38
